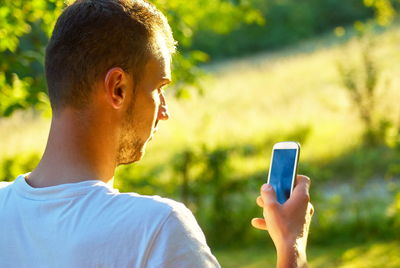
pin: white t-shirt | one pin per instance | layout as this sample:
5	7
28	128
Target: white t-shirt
88	224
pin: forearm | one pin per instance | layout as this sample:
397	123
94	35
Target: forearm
292	256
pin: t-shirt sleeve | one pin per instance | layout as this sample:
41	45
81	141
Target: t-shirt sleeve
181	243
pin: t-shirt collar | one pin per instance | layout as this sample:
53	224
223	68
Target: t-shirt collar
58	191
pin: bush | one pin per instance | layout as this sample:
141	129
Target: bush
286	22
11	167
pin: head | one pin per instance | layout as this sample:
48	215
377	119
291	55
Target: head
112	57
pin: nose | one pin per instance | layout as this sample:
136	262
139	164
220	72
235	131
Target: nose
163	113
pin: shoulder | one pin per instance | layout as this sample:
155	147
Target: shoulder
171	216
149	202
5	185
5	190
133	208
176	238
180	242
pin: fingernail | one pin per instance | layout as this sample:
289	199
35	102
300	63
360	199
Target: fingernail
266	187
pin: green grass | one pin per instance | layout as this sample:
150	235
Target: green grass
369	255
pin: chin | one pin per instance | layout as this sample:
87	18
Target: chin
136	156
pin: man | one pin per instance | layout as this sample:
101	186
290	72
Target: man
106	64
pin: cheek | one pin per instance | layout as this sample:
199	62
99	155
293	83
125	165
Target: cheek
145	114
151	110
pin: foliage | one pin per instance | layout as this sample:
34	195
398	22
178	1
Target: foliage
290	21
361	82
217	27
363	163
394	212
353	211
24	31
384	10
11	167
361	77
286	22
26	27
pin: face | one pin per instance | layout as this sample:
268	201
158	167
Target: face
148	106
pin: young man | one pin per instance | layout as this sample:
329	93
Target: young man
106	64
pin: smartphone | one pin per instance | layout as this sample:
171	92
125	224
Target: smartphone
283	168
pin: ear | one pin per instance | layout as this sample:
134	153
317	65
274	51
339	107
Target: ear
116	85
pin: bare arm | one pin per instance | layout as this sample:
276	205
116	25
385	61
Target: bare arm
287	224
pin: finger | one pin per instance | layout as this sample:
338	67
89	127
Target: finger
259	201
301	179
259	223
268	195
300	191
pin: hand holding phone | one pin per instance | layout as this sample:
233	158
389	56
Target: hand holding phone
287	224
283	168
287	211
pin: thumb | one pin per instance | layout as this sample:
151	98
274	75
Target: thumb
268	196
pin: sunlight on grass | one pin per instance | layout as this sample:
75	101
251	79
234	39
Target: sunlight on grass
376	255
23	133
370	255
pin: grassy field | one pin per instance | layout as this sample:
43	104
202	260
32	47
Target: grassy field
372	255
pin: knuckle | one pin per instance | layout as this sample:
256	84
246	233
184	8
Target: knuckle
271	205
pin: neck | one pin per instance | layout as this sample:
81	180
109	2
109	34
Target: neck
77	150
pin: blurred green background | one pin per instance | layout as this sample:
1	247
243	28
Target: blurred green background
249	73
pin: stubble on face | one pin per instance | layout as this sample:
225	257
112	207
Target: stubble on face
131	148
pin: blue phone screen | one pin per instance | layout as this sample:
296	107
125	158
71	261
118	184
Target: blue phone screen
282	169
